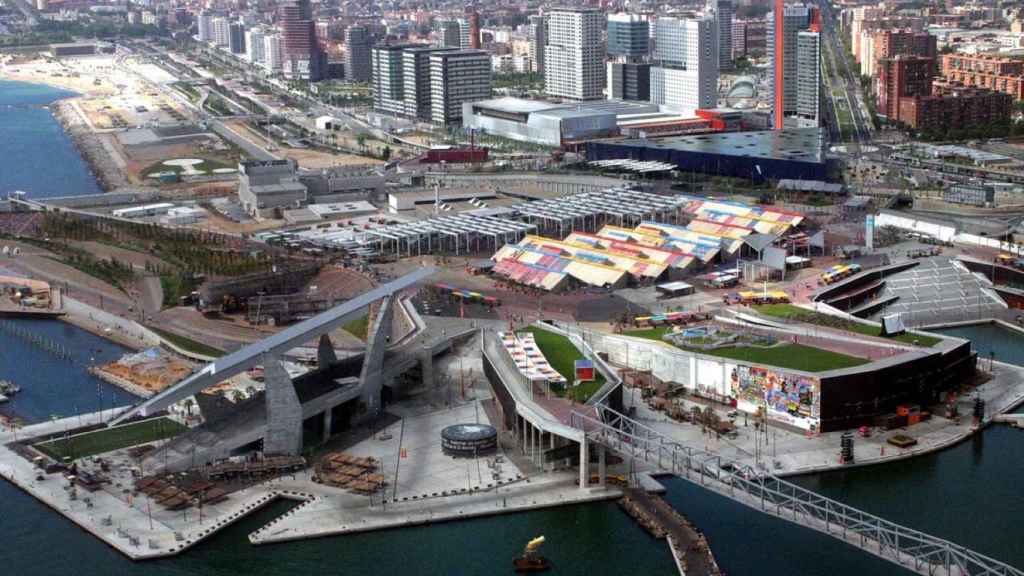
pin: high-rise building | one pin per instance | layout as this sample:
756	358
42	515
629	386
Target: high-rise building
739	39
574	55
685	71
205	24
889	43
221	31
254	47
902	77
273	57
537	33
387	77
358	44
417	81
723	11
457	77
303	58
474	29
629	81
782	66
808	77
628	35
463	33
450	34
236	38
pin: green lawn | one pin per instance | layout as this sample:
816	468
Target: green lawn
649	333
792	356
562	355
360	327
108	439
791	312
207	167
187	343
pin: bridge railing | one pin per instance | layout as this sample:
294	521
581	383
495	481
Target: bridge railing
912	549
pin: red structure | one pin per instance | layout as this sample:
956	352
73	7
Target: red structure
902	77
953	107
890	43
780	41
455	155
999	73
474	29
298	37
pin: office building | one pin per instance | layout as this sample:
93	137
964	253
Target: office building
723	11
464	33
450	34
273	59
358	43
303	58
457	77
628	36
684	74
782	54
574	54
902	77
236	38
629	81
417	93
808	79
537	34
387	76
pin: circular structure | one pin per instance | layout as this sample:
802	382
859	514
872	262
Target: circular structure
469	440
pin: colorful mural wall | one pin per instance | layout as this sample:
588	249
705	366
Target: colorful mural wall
793	399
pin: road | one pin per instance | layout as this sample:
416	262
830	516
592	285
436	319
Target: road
851	80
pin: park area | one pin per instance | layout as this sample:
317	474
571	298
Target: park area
562	355
109	439
780	355
798	314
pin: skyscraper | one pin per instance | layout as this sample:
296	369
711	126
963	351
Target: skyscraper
457	77
573	55
272	53
303	58
450	33
808	78
254	47
221	31
416	77
388	77
685	71
537	32
629	72
357	54
723	11
236	38
782	68
205	25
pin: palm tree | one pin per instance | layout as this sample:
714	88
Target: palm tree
189	403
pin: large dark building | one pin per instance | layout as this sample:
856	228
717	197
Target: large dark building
236	38
303	58
358	44
629	81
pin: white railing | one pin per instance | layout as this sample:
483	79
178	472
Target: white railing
914	550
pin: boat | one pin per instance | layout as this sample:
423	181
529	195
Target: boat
3	398
530	561
8	388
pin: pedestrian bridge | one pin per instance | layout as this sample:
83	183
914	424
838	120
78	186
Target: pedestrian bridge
911	549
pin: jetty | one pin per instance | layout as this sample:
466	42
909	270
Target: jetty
1015	420
689	547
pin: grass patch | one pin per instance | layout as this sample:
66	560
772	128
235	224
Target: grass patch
562	354
108	439
188	343
791	312
218	105
175	285
649	333
360	327
792	356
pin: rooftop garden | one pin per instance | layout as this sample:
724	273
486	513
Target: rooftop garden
562	355
791	312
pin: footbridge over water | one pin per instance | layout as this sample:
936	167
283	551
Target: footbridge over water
911	549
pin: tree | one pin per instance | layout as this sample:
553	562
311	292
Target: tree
361	139
386	153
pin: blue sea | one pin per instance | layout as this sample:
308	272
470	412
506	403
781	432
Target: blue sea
36	156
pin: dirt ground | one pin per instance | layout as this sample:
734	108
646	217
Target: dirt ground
306	158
